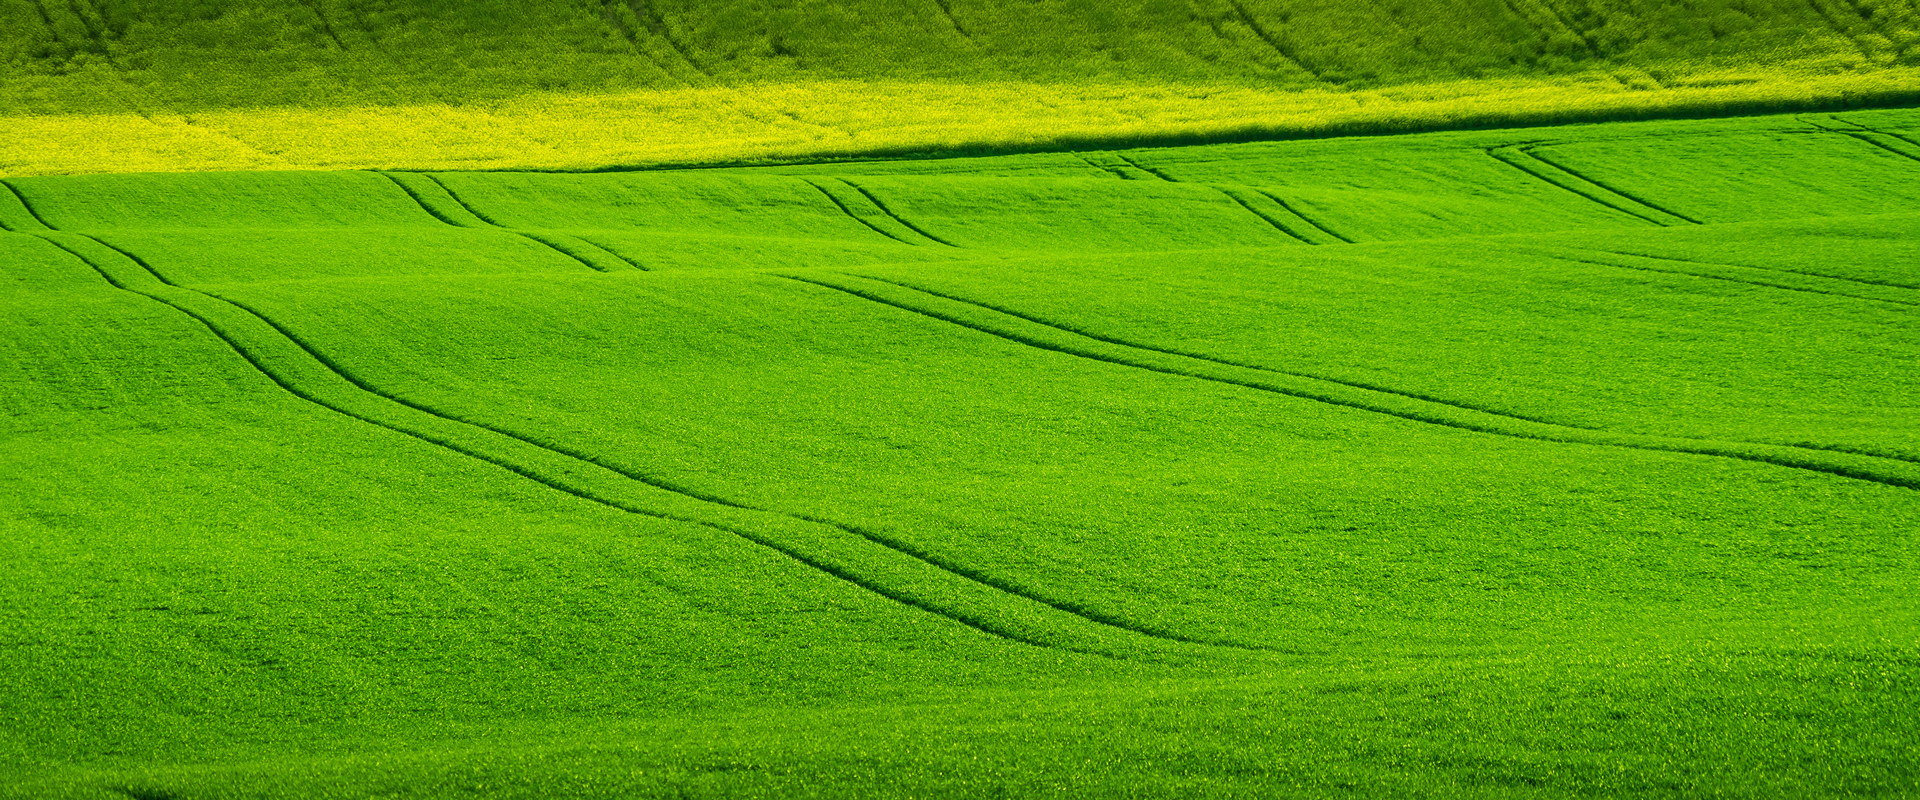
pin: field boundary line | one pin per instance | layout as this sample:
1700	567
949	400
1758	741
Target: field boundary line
581	468
838	203
890	212
25	203
1061	340
1688	273
1823	275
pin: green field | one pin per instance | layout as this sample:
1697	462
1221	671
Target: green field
950	398
93	86
1570	461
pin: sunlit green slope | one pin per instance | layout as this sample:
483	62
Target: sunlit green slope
1580	461
162	85
199	55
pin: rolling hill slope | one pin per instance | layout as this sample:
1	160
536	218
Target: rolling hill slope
167	85
1578	461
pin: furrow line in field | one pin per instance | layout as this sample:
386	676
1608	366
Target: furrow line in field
1532	151
613	19
1861	281
94	34
455	197
1146	169
47	19
1503	154
1890	134
1107	168
837	203
1047	337
431	208
1585	37
1862	136
946	10
1269	220
325	25
26	204
887	542
1691	274
360	21
658	24
931	586
615	253
1285	51
1304	218
1833	22
550	240
889	212
1078	331
1165	176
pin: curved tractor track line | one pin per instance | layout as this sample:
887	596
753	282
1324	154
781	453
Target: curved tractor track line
1781	270
839	204
1221	361
1532	151
551	240
1163	175
1519	157
1264	218
1287	52
1860	132
26	204
47	19
1045	336
1304	218
580	472
615	253
946	10
889	212
1706	276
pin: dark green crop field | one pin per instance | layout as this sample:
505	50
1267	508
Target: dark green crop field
1579	461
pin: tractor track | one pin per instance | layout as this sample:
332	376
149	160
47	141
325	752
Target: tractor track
890	212
576	465
1063	340
837	203
546	240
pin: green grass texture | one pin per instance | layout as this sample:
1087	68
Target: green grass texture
1562	462
88	55
115	86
